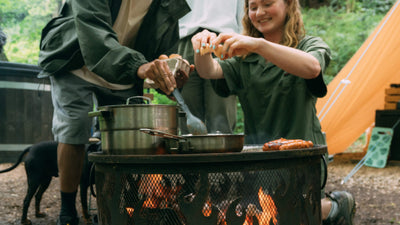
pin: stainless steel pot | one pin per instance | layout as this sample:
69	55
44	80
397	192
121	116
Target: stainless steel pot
210	143
120	126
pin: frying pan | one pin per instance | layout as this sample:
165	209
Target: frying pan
209	143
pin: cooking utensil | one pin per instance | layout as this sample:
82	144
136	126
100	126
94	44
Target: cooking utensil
120	124
194	124
210	143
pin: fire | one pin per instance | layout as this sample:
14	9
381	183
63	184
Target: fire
151	187
130	211
157	194
269	211
207	209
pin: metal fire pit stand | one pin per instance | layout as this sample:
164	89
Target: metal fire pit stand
291	177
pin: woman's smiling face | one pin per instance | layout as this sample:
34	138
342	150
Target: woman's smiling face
268	16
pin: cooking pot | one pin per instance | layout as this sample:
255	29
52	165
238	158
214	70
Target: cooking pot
120	126
210	143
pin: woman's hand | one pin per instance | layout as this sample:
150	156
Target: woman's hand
206	66
201	39
159	72
236	44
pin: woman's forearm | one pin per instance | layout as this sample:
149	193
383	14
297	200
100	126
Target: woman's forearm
207	67
289	59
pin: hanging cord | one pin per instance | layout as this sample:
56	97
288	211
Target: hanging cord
345	80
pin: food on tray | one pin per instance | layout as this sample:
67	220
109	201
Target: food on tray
208	49
285	144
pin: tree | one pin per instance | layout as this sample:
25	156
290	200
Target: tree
22	22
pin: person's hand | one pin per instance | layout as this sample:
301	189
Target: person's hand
235	44
201	39
182	76
159	72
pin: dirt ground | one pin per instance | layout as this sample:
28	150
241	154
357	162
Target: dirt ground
376	192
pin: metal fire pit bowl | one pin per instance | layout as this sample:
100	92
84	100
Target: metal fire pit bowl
248	187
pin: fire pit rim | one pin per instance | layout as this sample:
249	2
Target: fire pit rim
251	155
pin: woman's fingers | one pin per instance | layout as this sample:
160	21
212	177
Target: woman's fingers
202	39
234	44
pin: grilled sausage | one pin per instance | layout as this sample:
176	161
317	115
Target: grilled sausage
286	144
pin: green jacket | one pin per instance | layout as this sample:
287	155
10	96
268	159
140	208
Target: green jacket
275	103
79	36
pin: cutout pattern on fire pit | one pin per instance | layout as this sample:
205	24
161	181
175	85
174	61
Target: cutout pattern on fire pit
249	192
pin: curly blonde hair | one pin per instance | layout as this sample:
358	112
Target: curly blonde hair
294	28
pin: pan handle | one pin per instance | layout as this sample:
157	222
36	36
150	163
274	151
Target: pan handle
160	134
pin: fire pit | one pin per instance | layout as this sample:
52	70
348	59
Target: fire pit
248	187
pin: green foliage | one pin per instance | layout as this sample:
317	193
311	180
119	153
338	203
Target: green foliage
160	98
373	6
377	6
22	22
343	32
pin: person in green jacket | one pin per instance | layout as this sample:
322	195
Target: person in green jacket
106	49
276	71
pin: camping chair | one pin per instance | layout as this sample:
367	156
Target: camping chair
378	150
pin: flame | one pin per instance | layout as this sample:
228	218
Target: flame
151	187
161	196
207	209
157	194
269	211
130	211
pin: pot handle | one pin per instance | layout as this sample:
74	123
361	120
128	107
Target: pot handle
103	113
135	97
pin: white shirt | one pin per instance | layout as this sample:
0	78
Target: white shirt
215	15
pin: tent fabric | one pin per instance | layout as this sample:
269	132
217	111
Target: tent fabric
358	90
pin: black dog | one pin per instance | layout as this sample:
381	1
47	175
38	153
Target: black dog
40	167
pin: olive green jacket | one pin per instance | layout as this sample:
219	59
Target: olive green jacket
275	103
82	35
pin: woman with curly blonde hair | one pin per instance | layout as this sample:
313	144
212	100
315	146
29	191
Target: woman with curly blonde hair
276	70
293	29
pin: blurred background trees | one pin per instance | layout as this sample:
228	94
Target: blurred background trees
343	24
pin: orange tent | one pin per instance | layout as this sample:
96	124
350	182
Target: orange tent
359	88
